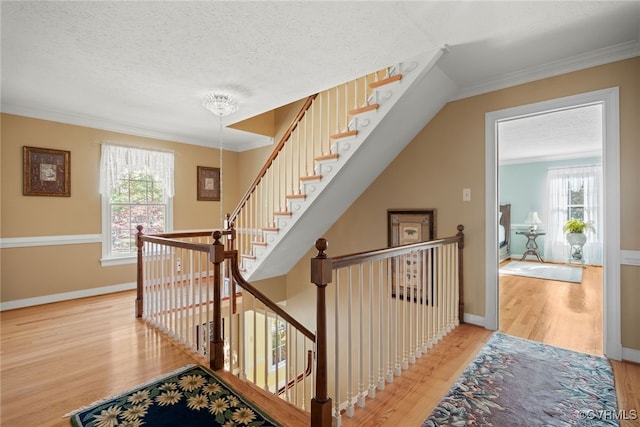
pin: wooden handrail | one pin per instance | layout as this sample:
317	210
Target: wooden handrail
321	274
378	254
272	157
200	247
299	378
237	276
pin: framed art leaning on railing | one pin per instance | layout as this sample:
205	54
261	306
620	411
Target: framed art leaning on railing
409	272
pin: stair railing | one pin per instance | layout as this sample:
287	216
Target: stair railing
323	118
385	309
190	288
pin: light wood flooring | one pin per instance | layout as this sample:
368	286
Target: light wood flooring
563	314
58	357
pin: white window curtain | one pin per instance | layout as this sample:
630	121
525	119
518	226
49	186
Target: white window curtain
118	160
559	181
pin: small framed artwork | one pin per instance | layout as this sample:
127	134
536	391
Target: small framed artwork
410	226
208	183
406	227
46	172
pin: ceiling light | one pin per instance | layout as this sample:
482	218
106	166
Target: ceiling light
220	104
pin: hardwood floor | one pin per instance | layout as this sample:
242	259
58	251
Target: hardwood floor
563	314
59	357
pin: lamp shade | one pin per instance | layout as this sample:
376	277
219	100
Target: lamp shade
533	219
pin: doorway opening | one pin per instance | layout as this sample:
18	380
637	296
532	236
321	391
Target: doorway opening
549	171
606	102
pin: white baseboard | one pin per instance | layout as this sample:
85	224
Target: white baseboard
474	319
46	299
631	355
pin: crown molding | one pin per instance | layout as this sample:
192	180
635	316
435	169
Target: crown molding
98	123
551	158
594	58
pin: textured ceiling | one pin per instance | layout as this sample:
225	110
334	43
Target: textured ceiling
143	67
563	134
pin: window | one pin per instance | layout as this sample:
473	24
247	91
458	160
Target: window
573	192
278	342
575	203
137	189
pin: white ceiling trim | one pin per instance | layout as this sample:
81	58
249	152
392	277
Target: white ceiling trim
597	57
575	63
98	123
551	158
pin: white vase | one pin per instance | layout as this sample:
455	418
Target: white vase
577	241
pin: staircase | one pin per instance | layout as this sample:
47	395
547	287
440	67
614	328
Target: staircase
289	206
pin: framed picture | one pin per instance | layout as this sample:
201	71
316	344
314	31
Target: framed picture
46	172
410	226
408	271
208	183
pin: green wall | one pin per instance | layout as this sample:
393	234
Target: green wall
523	185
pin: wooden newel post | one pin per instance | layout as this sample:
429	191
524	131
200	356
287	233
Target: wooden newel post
230	232
460	234
321	276
140	275
216	346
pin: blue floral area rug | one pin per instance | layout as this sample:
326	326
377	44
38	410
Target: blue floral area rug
191	396
516	382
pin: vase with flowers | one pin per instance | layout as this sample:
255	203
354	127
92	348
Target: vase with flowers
575	233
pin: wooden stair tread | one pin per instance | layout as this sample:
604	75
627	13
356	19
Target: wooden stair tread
344	134
330	156
247	256
386	81
288	213
296	196
259	243
270	229
310	177
366	108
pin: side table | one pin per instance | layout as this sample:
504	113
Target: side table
531	245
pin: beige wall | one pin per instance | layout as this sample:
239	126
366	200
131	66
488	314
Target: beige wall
448	155
46	270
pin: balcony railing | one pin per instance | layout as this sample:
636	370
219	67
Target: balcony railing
382	309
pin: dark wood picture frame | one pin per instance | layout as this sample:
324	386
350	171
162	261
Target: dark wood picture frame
407	227
208	183
46	172
410	226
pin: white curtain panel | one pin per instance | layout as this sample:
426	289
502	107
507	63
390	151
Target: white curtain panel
116	161
559	181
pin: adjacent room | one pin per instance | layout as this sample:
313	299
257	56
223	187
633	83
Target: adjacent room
550	173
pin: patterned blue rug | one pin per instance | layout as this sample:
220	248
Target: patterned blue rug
191	396
516	382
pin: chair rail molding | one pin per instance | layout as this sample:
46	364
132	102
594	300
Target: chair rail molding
72	239
630	257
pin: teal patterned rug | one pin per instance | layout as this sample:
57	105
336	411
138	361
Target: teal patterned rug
191	396
516	382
